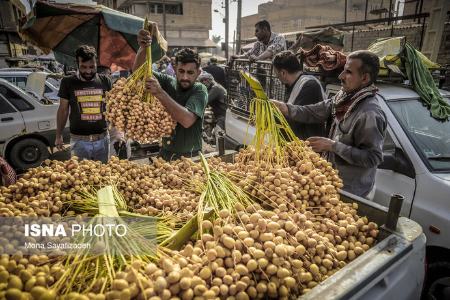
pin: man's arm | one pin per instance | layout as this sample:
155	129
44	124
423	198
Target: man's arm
178	112
307	114
368	136
248	54
296	45
278	44
144	39
265	55
140	59
311	93
61	120
216	94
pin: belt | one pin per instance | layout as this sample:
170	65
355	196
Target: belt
169	155
90	137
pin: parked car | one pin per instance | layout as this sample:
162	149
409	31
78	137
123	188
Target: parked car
19	77
416	159
27	126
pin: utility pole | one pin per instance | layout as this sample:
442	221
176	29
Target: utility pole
435	30
227	16
234	41
390	12
164	19
238	26
345	11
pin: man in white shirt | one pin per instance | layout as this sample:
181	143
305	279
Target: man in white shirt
268	44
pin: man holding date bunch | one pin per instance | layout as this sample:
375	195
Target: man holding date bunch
358	125
183	98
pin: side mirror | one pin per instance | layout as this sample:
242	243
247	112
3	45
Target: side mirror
398	162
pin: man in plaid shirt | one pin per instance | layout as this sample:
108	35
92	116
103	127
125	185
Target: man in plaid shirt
7	173
268	44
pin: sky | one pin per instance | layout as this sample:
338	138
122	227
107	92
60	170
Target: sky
249	7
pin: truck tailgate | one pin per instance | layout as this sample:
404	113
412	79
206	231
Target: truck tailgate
393	269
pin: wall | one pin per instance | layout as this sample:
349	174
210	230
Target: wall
412	32
363	38
10	43
196	17
444	51
295	15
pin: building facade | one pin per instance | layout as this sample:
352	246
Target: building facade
184	23
11	46
295	15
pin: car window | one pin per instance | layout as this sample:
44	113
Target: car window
5	107
47	89
21	82
15	99
430	137
54	82
388	145
10	79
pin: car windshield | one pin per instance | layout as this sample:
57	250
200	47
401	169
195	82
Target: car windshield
54	82
430	137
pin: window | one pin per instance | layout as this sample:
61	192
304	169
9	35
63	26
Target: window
156	8
16	100
20	82
388	145
47	89
5	107
10	79
172	9
430	137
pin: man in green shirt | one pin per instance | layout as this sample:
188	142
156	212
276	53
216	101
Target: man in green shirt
184	99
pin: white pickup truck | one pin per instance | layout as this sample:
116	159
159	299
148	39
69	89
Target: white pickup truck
27	125
416	164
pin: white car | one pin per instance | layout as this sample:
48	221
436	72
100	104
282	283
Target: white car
416	165
27	125
20	76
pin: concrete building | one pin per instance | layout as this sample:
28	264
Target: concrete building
416	6
185	23
295	15
11	45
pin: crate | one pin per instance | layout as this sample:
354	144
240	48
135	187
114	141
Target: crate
239	92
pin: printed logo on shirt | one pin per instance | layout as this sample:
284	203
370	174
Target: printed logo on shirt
90	102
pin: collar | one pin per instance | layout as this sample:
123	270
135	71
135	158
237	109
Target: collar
271	38
290	87
82	79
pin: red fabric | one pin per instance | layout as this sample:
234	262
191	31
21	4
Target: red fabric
114	49
7	172
342	109
324	57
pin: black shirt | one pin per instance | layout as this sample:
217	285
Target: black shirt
87	103
217	96
218	73
310	93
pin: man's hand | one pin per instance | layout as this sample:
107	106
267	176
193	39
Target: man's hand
281	106
59	143
252	58
321	144
152	85
144	38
